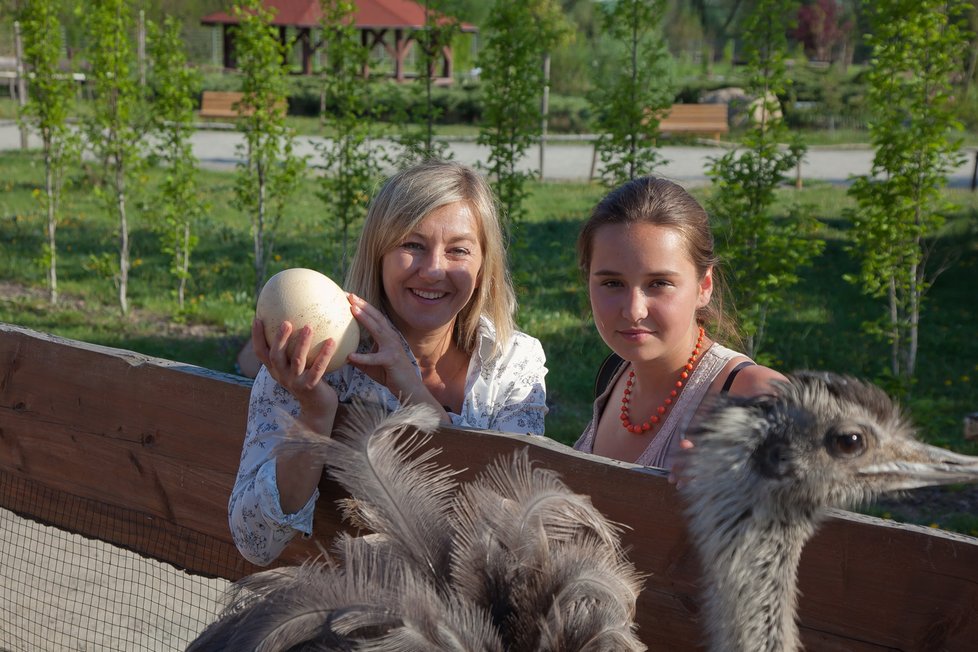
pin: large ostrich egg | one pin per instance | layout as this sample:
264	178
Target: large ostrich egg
307	297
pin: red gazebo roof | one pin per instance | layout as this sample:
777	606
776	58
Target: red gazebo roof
370	14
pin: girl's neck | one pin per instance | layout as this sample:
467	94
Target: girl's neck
664	369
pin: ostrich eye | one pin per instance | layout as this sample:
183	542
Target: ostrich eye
845	444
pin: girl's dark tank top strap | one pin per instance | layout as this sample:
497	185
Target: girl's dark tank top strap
728	383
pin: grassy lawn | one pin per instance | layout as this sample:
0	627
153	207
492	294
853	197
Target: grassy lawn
820	331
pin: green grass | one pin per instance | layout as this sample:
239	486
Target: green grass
821	329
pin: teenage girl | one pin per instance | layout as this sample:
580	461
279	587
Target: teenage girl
647	256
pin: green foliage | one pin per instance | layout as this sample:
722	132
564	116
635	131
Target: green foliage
351	167
270	170
900	205
631	87
761	255
180	204
115	127
519	33
50	100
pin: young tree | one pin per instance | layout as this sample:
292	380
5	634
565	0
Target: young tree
351	165
519	33
916	49
631	88
762	256
50	100
270	170
114	131
179	206
417	137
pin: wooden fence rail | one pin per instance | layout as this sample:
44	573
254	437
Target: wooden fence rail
161	440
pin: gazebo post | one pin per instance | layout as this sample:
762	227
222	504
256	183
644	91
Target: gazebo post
446	53
283	38
399	52
305	38
228	39
364	38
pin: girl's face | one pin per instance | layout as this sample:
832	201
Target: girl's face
432	274
645	291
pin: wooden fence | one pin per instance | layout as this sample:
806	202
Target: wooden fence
160	441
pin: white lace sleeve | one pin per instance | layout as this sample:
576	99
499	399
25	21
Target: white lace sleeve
259	528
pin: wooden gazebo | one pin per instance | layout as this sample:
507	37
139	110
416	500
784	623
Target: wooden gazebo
377	21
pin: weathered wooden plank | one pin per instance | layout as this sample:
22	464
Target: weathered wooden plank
162	440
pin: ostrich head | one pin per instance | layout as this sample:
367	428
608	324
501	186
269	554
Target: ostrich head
763	472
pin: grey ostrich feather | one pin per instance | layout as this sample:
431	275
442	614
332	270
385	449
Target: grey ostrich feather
513	560
763	473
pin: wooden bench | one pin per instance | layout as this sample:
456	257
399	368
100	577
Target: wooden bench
227	104
709	119
156	442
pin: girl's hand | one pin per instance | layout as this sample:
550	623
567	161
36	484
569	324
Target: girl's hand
677	474
317	400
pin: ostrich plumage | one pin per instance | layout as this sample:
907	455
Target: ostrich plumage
512	560
763	473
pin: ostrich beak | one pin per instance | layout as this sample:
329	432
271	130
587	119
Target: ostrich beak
913	464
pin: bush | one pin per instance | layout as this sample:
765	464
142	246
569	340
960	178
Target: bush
390	101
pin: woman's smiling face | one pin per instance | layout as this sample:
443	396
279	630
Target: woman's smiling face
431	275
645	291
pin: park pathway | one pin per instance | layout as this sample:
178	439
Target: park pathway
563	160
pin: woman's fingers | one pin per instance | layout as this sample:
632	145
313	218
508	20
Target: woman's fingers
317	368
373	320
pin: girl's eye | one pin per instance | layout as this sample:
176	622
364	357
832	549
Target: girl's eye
659	284
611	283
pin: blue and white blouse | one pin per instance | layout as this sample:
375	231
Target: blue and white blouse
505	392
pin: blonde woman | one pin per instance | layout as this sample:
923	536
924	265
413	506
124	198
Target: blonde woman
430	287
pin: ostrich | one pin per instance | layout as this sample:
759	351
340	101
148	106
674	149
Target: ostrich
512	560
763	472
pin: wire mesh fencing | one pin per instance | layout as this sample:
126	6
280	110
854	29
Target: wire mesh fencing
64	591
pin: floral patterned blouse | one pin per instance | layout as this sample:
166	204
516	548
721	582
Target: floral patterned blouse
505	392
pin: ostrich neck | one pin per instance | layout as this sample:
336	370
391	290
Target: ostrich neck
752	600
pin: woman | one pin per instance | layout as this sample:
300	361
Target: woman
430	288
647	255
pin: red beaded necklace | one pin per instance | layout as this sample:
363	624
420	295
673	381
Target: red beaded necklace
660	411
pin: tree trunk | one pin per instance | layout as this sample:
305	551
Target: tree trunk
184	265
260	231
544	109
120	180
894	330
52	221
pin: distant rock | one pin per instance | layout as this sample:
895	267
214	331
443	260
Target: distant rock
729	95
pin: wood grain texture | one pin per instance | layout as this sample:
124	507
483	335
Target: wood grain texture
143	438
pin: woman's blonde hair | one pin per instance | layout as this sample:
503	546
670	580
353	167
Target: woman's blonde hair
403	202
651	200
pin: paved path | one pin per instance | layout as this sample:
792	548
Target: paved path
216	149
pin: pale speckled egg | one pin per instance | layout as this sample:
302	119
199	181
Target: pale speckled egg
307	297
